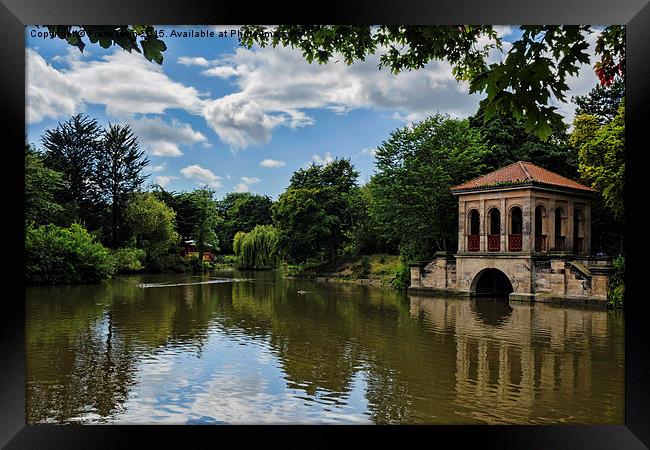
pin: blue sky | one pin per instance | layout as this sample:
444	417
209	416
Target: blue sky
237	119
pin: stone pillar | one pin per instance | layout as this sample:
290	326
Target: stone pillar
527	228
416	275
557	277
587	237
550	238
481	229
504	226
569	226
462	240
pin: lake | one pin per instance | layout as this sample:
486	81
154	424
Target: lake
250	347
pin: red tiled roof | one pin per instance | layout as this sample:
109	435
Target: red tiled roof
521	172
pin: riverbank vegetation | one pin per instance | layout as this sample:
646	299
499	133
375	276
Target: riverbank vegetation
89	215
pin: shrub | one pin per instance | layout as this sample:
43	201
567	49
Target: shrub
173	263
129	259
402	278
56	255
616	288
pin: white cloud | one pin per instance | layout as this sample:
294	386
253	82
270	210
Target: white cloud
125	83
193	61
202	175
322	161
164	180
272	163
49	92
240	122
159	168
220	71
241	187
164	139
250	180
245	185
369	151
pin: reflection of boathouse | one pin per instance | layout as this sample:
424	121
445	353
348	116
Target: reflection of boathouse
523	231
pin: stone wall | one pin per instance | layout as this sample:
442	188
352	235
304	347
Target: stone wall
540	279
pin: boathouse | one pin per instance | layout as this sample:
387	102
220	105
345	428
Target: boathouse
523	232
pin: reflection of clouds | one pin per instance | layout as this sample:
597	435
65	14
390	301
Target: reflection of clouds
232	383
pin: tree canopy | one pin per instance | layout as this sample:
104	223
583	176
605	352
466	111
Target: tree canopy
416	167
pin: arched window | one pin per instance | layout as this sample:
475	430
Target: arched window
474	238
516	226
494	235
540	229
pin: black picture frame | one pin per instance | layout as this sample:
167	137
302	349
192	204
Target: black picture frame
15	14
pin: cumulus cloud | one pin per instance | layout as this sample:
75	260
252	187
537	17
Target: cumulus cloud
164	139
241	122
245	184
272	163
159	168
250	180
322	161
125	83
164	180
241	187
193	61
369	151
202	175
50	94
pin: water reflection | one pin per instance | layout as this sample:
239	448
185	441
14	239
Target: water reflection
268	350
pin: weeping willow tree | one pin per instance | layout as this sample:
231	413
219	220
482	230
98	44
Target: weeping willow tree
256	249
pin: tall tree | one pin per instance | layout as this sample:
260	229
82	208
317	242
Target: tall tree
601	153
72	148
152	223
205	219
118	172
416	167
42	187
602	101
314	213
508	142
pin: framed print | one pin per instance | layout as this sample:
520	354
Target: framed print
387	215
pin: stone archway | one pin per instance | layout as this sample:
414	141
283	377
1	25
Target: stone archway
491	282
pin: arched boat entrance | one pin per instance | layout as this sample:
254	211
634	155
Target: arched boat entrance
491	283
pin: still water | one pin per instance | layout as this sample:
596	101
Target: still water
251	347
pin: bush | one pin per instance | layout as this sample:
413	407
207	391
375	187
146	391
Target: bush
56	255
128	260
616	288
173	263
402	278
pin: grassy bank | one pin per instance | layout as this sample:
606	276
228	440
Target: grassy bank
387	269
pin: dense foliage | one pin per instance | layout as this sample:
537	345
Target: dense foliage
315	211
56	255
256	249
42	187
152	225
118	172
616	288
241	211
416	168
